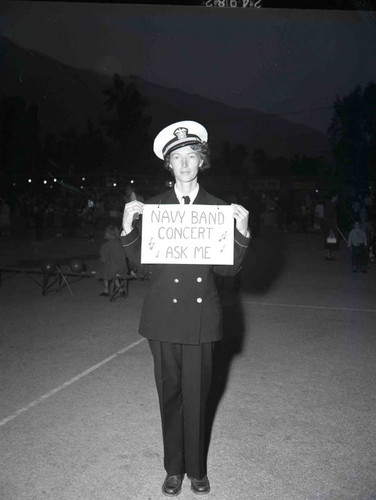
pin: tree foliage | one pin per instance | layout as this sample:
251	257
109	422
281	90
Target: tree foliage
310	166
126	122
20	146
352	133
264	165
77	152
118	140
231	160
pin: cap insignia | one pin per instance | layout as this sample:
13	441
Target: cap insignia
181	133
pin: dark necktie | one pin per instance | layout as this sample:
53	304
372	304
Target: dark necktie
186	200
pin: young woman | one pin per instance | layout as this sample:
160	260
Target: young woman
181	314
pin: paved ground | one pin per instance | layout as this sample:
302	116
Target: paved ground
294	402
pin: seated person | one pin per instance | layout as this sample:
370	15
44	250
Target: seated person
113	261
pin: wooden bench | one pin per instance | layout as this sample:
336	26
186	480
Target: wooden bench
57	277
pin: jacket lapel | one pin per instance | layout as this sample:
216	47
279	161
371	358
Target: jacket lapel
201	198
169	198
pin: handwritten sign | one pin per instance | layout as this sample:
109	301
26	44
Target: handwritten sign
187	234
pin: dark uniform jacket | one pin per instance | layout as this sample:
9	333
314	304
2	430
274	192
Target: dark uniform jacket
182	305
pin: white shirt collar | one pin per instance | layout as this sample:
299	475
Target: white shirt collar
192	195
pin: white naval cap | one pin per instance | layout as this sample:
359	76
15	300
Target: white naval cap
178	134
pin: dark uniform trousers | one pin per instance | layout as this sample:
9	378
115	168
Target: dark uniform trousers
183	376
358	256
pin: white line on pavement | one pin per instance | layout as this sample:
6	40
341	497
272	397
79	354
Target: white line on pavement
308	307
69	382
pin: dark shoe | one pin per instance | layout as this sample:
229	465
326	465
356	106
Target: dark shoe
118	293
172	485
104	294
200	486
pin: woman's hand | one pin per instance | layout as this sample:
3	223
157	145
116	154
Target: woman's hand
131	212
241	216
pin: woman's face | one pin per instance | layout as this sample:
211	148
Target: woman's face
185	164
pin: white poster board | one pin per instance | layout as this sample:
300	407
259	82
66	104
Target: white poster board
187	234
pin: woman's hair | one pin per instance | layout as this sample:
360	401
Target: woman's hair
201	147
111	233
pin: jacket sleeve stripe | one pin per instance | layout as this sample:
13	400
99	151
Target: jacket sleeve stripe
133	241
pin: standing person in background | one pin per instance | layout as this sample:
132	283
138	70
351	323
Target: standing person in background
49	219
330	227
181	314
58	218
355	207
357	241
114	262
131	194
4	218
71	217
38	209
88	218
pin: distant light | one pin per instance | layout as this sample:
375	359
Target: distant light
55	180
81	187
51	187
14	183
44	182
132	181
114	184
29	180
83	178
317	190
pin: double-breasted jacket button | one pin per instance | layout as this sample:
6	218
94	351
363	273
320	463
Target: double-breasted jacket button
176	280
174	301
199	300
199	279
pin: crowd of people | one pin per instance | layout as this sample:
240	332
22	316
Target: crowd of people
64	212
302	211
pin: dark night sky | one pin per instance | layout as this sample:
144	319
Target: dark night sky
284	61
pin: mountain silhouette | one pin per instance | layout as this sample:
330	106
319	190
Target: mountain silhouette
67	97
